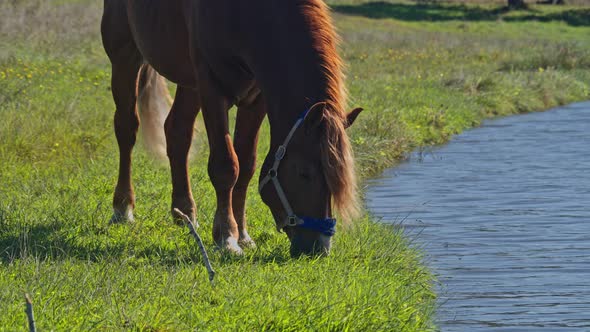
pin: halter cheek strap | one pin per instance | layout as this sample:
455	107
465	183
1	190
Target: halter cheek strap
326	226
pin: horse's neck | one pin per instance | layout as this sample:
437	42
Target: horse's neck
281	49
291	77
286	105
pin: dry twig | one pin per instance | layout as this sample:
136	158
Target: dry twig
194	233
29	311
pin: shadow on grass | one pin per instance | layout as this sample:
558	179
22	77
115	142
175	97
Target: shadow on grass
460	12
47	242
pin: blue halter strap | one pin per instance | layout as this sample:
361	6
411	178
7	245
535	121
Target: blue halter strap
326	226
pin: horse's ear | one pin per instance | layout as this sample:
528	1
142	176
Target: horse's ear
350	117
314	117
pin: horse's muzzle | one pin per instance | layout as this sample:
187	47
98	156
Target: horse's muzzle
309	243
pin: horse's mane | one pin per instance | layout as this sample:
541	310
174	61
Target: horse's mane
337	157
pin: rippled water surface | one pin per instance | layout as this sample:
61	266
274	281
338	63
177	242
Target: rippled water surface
503	213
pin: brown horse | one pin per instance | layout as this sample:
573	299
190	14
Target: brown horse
268	57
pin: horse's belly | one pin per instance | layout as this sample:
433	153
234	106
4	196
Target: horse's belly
160	33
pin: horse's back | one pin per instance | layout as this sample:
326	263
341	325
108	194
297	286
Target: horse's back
158	30
174	37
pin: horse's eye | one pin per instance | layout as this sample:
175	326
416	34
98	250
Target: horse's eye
305	176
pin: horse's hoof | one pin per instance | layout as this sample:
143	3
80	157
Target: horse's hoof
180	221
122	217
246	241
231	245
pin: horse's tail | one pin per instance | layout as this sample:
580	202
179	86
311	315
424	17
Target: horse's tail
153	101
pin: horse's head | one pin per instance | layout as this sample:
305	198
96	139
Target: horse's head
302	176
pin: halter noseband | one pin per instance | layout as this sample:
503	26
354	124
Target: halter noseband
326	226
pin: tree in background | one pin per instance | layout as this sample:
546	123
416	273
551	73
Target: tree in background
516	4
520	4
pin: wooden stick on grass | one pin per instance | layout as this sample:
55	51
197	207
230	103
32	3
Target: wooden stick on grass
29	311
194	233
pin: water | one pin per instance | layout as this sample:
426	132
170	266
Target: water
503	213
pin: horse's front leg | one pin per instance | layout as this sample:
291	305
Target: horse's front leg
179	133
223	164
248	121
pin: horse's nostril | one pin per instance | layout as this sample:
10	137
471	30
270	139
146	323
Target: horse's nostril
320	246
314	251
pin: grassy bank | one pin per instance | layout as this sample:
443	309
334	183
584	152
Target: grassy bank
426	72
420	80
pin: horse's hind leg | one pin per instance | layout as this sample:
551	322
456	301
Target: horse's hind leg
179	133
126	62
248	121
126	125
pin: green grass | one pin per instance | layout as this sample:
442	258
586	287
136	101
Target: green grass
424	79
420	80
